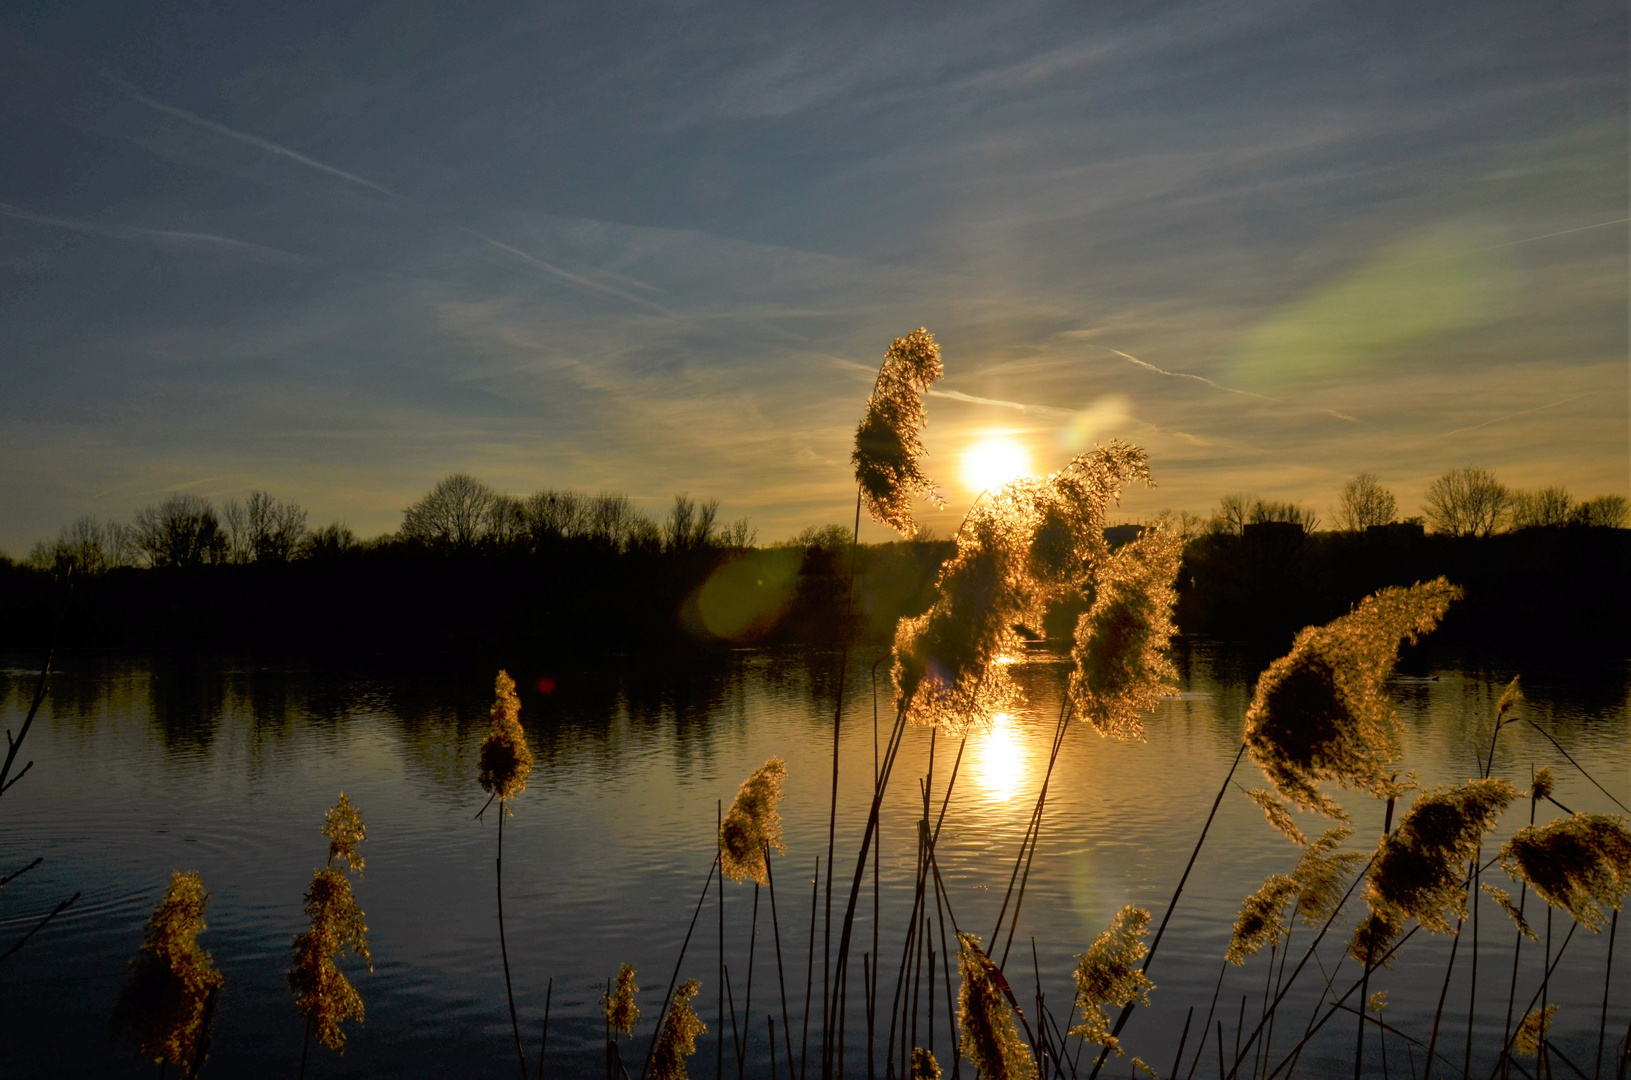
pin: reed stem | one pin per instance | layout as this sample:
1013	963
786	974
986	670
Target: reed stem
1608	974
503	947
809	970
305	1044
719	854
747	995
781	979
543	1042
673	980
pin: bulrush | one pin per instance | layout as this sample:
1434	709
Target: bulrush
621	1011
1581	864
1419	868
1321	712
505	757
1319	874
989	1037
678	1040
1122	667
323	995
924	1066
1259	922
1108	973
1277	814
753	824
163	1005
887	445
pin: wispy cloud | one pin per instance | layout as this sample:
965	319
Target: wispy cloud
166	237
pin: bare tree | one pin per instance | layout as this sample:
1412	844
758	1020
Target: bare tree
1605	511
1466	502
1263	511
89	546
1232	513
1365	502
1541	509
454	513
329	541
690	525
263	529
738	534
183	530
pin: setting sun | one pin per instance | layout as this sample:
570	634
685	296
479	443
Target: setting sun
993	461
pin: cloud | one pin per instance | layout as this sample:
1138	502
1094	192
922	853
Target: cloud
189	241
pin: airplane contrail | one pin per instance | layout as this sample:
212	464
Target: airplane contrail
1197	378
1487	423
135	232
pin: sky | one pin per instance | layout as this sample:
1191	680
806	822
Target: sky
337	250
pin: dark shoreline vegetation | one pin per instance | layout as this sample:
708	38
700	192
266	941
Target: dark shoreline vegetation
1032	560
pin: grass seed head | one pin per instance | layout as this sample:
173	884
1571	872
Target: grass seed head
345	831
1260	921
323	995
1420	867
1510	697
924	1066
887	444
1503	899
160	1009
621	1011
1579	864
1319	874
753	824
989	1038
678	1040
1108	973
1278	814
1542	784
1122	666
505	757
1321	712
1372	938
1532	1030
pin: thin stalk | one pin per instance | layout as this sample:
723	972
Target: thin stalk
1268	1036
945	968
503	948
1026	842
15	745
781	979
543	1042
1364	981
747	996
305	1044
1178	1059
674	979
832	811
1608	972
877	893
1517	950
1206	1024
1577	765
809	969
1542	1065
1535	997
1268	985
719	849
730	998
871	1018
1155	943
1472	985
1438	1013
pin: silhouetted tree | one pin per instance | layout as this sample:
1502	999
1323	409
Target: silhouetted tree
1545	508
89	546
689	524
262	529
1466	502
1605	512
183	530
1232	513
453	513
1264	511
329	542
1365	502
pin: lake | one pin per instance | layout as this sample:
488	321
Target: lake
144	765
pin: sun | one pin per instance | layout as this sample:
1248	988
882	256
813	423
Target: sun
993	461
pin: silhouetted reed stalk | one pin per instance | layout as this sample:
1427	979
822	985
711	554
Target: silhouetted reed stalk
781	978
1155	942
1608	974
809	970
1517	945
719	1064
1364	981
1546	974
543	1041
668	995
505	760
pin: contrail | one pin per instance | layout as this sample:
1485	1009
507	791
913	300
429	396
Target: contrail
1197	378
253	140
134	232
958	395
1487	423
569	276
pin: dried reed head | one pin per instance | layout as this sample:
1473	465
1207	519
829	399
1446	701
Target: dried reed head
1510	697
887	445
989	1038
344	828
1377	1002
1321	711
1277	813
1122	667
1372	938
1580	864
505	757
161	1006
924	1066
1319	874
1420	867
753	824
1532	1030
1542	784
1067	510
621	1011
678	1040
324	996
1503	900
1260	922
1108	973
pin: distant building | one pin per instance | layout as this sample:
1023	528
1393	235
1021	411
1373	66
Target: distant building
1117	535
1396	531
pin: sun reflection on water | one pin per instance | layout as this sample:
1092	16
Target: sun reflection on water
999	758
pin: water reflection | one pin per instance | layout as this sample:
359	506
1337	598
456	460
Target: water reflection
999	759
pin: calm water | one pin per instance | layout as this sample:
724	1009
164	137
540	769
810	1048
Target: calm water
226	767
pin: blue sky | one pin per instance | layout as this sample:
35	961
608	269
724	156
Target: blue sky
337	251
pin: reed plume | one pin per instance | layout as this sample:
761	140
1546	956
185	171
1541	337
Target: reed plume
1122	667
1321	711
988	1036
1277	813
1580	864
1319	874
1510	697
1259	922
1503	900
1377	1002
678	1040
1108	973
1420	867
1532	1031
1067	519
323	995
505	757
1542	784
162	1007
887	445
924	1066
753	824
344	828
621	1011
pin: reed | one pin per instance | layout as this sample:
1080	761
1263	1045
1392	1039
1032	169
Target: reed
165	1005
324	997
503	765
